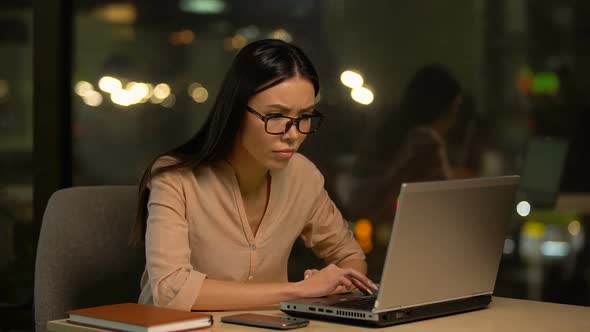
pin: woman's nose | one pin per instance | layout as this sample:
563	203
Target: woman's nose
291	131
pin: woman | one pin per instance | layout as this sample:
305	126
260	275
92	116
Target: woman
221	212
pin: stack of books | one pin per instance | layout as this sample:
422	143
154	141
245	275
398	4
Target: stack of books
139	318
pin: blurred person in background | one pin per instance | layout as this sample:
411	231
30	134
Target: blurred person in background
409	146
414	138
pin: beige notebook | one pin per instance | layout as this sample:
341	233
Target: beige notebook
139	318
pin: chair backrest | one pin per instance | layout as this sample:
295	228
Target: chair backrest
83	256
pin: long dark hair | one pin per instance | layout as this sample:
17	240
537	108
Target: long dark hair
257	67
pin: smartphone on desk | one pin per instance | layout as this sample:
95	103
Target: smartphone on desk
273	322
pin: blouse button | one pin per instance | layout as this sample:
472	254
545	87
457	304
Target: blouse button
250	277
253	247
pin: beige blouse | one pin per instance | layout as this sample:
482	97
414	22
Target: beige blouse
197	228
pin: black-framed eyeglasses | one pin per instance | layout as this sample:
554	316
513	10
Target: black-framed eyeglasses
277	124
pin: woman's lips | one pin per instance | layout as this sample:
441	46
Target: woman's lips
284	154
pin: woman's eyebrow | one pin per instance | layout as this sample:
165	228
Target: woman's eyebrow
287	109
279	106
307	109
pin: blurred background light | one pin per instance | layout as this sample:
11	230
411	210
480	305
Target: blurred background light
251	32
200	94
574	227
351	79
192	87
92	98
524	80
363	233
150	92
555	248
169	101
162	91
182	37
508	246
281	34
119	13
238	41
122	97
82	88
109	84
362	95
523	208
138	91
545	83
202	6
533	229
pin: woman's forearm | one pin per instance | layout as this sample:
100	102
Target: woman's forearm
227	295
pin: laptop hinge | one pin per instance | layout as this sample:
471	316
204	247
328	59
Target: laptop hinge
376	311
481	293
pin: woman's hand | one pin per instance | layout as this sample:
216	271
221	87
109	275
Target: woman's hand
333	279
339	290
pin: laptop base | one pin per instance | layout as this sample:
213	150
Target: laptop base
404	315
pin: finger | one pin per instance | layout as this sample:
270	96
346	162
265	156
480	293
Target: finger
340	289
344	281
362	287
347	289
373	285
354	274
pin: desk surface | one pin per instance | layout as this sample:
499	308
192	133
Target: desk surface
503	315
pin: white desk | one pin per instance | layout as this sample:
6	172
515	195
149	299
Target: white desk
503	315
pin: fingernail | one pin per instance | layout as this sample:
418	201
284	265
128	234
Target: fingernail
374	286
306	276
368	290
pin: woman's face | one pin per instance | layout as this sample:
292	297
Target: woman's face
292	97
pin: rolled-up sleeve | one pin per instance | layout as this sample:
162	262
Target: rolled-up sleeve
174	282
326	231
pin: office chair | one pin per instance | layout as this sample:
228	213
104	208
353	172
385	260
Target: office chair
83	256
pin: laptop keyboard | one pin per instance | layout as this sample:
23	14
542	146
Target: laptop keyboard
361	303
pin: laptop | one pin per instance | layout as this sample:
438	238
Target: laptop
443	255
